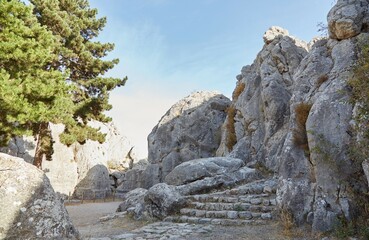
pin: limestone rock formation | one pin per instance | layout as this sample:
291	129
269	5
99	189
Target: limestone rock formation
30	209
80	169
348	18
190	129
292	115
261	105
274	32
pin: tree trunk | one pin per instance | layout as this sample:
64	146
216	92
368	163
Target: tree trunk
43	134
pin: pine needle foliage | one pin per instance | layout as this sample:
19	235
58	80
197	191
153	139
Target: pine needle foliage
30	91
75	25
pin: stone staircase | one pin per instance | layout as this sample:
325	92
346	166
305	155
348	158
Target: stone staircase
252	203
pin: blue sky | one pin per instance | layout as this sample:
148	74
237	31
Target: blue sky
170	48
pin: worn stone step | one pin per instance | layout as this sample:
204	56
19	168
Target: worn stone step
266	206
253	199
215	221
190	212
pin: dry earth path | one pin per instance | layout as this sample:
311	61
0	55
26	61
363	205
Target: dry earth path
90	221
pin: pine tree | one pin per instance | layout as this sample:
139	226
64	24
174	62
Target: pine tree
75	25
31	91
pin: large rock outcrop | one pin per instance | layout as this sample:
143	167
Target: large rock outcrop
261	101
29	207
292	115
190	129
80	169
348	18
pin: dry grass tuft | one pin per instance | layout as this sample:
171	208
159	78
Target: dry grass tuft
231	139
238	90
286	219
321	80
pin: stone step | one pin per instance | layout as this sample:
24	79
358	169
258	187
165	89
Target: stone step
266	206
215	221
190	212
256	199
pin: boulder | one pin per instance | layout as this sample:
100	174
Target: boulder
191	129
29	206
162	200
230	179
133	202
201	168
348	18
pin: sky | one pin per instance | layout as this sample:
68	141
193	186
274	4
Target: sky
171	48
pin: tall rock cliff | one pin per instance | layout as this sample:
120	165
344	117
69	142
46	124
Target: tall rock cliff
80	169
291	114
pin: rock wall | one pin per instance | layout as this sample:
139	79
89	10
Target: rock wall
262	110
29	207
292	115
81	169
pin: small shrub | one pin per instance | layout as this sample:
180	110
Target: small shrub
231	139
321	80
299	134
238	90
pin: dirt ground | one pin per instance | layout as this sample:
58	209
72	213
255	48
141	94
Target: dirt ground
86	218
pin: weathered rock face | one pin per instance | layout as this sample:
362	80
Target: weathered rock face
201	168
80	169
134	203
191	129
132	178
289	82
30	209
262	112
348	18
162	200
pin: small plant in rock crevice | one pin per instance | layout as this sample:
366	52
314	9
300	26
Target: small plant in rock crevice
299	133
322	79
231	138
286	219
238	90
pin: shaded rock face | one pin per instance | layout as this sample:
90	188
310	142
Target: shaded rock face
30	209
190	129
348	18
316	175
134	203
80	169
